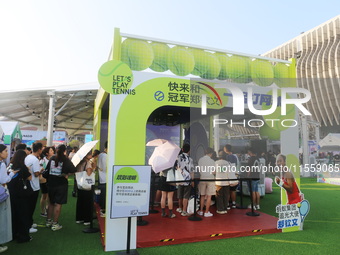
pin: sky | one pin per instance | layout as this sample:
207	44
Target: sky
63	42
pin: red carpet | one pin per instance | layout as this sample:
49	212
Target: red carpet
166	231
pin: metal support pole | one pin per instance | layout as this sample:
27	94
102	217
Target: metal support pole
305	138
317	137
50	122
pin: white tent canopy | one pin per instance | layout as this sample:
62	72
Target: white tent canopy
330	143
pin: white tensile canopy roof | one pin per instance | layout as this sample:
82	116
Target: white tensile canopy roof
73	107
330	143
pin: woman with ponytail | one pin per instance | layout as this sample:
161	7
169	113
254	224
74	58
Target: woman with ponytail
59	167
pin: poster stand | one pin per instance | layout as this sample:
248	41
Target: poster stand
128	241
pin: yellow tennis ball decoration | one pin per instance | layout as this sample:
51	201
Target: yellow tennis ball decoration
262	72
160	60
180	61
137	54
222	58
214	67
270	133
238	69
201	61
281	75
114	75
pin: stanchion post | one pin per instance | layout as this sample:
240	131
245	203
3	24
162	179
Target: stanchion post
241	206
141	222
152	200
195	217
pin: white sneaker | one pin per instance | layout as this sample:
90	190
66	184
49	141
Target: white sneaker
34	225
33	230
221	212
56	226
200	213
3	248
179	210
185	214
208	214
258	207
87	223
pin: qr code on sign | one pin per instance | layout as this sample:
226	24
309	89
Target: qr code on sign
133	212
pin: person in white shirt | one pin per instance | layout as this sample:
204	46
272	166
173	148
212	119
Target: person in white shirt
33	164
206	166
222	187
186	167
101	165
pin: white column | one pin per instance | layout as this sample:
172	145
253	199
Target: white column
50	122
216	135
42	116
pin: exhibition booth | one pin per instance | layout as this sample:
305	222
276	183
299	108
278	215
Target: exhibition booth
153	88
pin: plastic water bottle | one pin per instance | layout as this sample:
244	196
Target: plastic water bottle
9	168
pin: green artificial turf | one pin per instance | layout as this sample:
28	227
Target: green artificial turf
321	234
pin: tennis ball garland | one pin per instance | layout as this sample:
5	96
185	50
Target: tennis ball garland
180	61
140	55
262	72
160	60
281	75
214	67
201	61
222	58
137	54
238	69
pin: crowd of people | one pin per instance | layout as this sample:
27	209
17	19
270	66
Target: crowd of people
46	170
216	176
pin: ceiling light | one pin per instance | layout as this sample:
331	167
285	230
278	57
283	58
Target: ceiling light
33	113
27	107
90	93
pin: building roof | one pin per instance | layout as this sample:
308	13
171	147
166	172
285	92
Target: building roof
318	68
73	107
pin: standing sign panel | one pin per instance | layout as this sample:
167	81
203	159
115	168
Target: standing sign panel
130	191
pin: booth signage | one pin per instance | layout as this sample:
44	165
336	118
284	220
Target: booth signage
130	191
